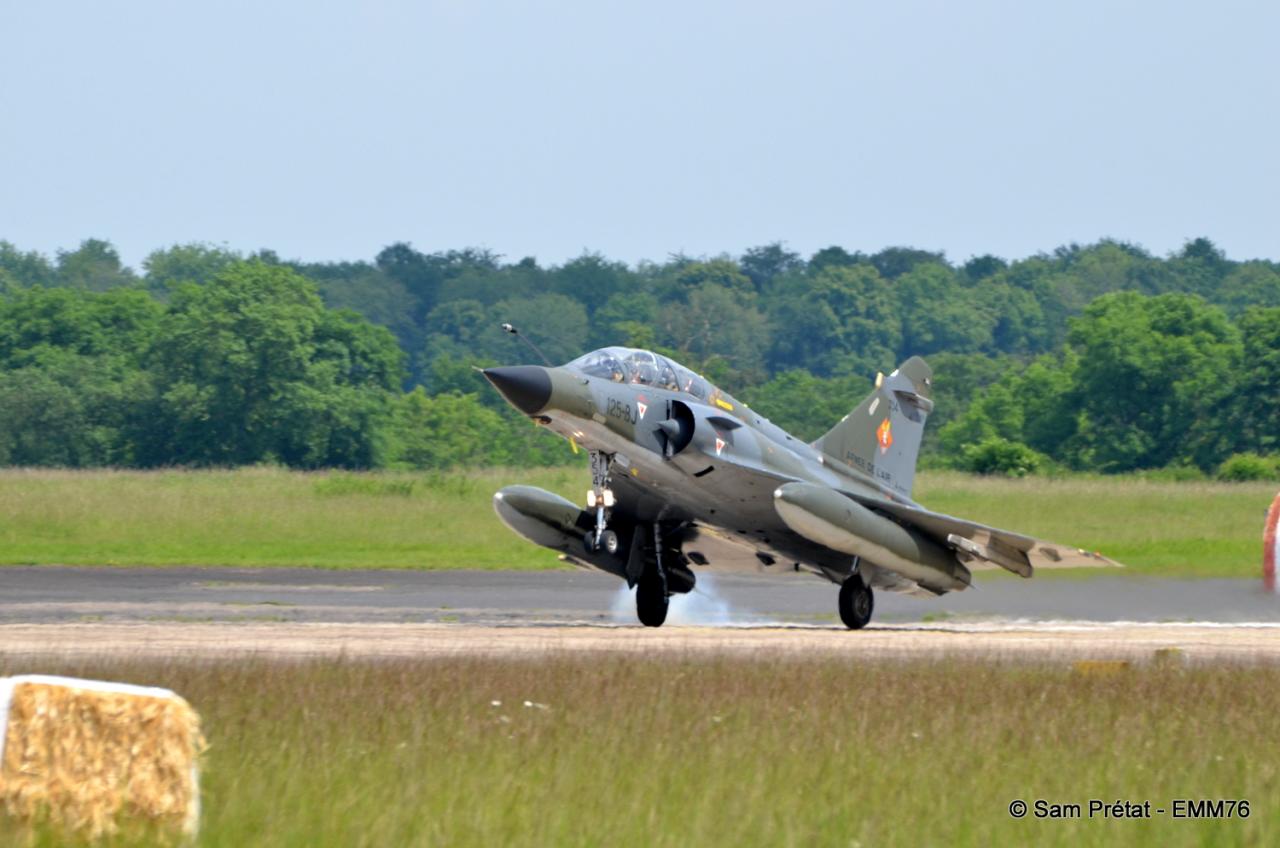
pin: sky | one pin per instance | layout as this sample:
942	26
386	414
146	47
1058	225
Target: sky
327	130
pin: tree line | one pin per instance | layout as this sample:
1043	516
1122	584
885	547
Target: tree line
1096	357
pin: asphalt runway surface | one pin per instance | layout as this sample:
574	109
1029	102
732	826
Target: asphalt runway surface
218	612
49	594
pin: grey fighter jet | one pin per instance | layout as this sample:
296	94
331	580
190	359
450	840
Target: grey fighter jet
684	477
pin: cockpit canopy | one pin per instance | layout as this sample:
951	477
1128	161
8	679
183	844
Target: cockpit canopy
642	367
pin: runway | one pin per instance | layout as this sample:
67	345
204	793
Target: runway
48	594
218	613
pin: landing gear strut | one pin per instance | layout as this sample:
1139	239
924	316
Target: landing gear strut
600	498
856	602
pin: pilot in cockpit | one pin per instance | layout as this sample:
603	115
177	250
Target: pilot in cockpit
643	368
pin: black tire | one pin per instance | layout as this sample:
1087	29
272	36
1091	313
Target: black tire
609	542
651	602
856	603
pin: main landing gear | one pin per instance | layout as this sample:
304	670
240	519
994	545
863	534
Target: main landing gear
653	595
856	602
652	601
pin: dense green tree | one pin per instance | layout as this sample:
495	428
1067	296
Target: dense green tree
939	314
1249	284
1020	324
957	379
1000	457
246	363
1159	371
1256	394
804	405
1048	393
1248	467
383	300
490	285
439	431
623	319
765	263
981	267
591	280
71	387
1200	268
415	271
479	274
725	273
425	275
251	367
185	263
25	269
719	332
893	262
448	374
994	413
42	421
38	323
468	330
834	256
1035	406
1084	273
94	265
461	328
846	321
555	323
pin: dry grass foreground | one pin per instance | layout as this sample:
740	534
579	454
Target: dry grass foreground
629	751
273	517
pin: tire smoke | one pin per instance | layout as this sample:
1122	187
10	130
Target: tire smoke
705	606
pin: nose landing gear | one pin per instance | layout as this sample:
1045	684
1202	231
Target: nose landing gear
601	499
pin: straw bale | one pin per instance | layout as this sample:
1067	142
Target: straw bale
86	755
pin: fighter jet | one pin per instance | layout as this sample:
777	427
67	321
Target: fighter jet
685	477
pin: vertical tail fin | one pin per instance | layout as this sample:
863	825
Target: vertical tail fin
882	435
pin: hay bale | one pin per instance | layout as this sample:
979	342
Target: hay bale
86	754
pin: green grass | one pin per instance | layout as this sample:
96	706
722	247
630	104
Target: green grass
1168	528
273	517
265	517
711	752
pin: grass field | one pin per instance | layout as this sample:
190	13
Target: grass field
272	517
1171	528
709	752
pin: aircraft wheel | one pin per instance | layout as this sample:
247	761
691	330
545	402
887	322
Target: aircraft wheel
651	602
609	542
856	603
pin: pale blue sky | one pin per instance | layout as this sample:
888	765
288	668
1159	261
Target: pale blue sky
327	130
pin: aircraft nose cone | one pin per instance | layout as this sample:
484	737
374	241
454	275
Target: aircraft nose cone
526	387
